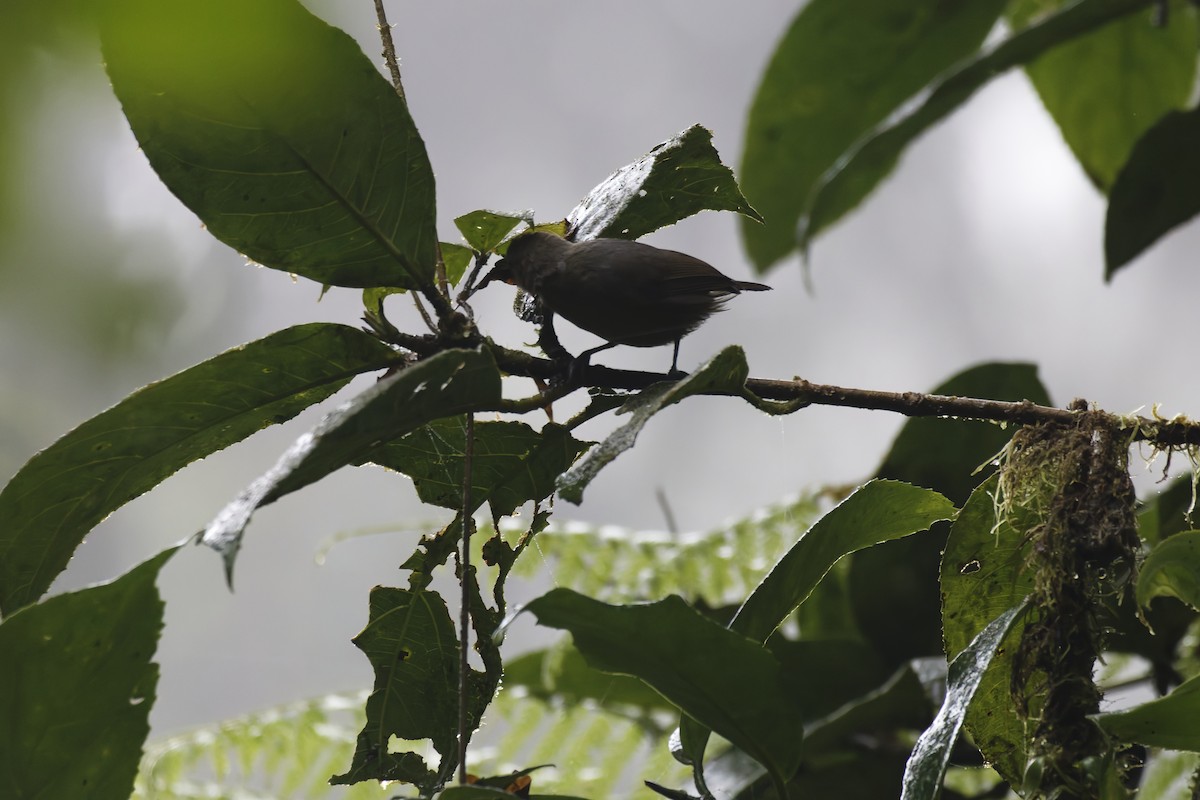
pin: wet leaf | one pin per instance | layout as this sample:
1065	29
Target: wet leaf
68	488
725	373
678	178
982	574
450	383
927	764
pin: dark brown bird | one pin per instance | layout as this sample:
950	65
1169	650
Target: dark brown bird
624	292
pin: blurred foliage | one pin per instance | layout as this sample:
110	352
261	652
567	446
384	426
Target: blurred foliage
813	649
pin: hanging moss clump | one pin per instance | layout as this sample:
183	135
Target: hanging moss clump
1067	487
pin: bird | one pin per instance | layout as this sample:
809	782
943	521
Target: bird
625	292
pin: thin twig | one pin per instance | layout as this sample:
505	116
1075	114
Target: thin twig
439	272
439	301
424	314
389	49
464	635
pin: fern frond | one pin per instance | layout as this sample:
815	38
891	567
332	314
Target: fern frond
719	567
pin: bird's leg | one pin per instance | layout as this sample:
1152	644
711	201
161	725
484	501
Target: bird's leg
675	371
581	362
548	339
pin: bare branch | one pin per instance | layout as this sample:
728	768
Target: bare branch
389	49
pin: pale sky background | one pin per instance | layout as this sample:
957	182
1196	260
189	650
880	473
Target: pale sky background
985	245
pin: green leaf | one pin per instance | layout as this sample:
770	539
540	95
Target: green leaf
899	703
1165	513
678	178
488	793
982	574
561	674
1106	88
893	587
861	169
721	679
412	646
456	258
841	69
511	464
81	683
278	132
452	382
725	373
1168	775
1168	722
484	230
877	512
1172	570
927	765
64	491
1158	189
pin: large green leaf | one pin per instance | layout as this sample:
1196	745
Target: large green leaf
80	685
450	383
64	491
983	574
1158	190
678	178
510	462
841	69
858	172
560	674
894	587
931	755
720	678
1106	88
1168	722
278	132
878	511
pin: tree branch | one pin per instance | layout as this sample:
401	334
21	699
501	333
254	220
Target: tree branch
798	393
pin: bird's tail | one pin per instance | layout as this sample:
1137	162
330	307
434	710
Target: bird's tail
749	286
